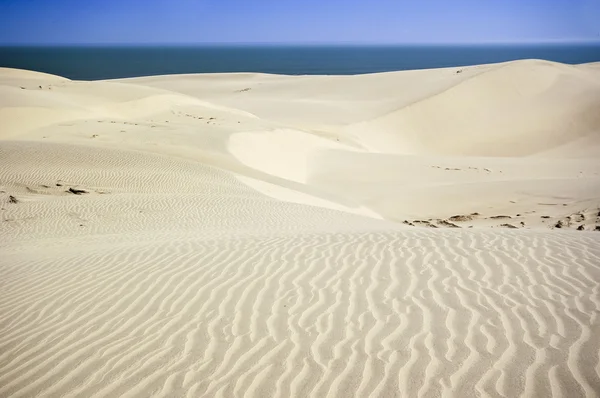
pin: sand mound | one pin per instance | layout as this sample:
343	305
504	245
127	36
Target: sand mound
16	76
514	109
314	101
24	109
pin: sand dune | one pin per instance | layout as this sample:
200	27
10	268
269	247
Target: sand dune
406	234
513	110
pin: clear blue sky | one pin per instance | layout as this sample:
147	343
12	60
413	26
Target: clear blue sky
289	21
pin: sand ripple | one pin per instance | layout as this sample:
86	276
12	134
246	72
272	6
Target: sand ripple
354	314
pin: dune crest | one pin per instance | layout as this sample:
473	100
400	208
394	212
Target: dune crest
516	109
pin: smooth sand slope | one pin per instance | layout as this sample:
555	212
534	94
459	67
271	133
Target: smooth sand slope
410	234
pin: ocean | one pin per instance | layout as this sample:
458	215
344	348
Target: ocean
109	62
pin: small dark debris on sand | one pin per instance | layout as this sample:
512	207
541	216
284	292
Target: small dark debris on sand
408	223
424	223
559	224
45	186
545	216
522	224
581	228
448	224
508	226
597	228
499	217
12	199
77	191
461	218
58	184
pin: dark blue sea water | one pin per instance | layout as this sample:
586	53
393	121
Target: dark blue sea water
104	62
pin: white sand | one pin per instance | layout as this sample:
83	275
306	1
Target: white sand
257	235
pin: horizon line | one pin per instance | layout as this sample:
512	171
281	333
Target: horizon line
298	43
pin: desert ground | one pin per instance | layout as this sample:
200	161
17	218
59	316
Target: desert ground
430	233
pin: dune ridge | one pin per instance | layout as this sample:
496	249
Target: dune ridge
560	103
405	234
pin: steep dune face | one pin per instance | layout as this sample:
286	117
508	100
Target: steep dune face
514	109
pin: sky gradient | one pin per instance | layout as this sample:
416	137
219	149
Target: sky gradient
295	21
